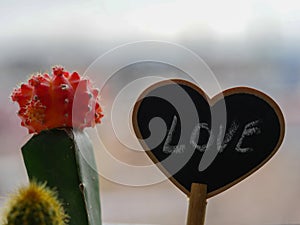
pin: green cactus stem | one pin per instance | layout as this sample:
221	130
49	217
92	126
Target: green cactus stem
35	205
64	158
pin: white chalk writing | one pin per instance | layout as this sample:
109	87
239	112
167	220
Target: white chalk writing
250	129
195	135
169	148
222	144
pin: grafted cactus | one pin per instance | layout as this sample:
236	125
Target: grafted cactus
60	153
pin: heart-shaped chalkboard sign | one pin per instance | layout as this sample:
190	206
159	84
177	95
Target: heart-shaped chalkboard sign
195	139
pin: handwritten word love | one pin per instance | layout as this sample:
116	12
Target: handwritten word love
222	141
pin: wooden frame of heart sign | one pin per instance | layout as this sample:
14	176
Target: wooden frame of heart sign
253	132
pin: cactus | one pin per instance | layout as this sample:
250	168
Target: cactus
35	205
46	102
60	153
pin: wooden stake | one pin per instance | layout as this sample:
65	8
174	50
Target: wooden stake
197	204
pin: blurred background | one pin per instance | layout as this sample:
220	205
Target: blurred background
244	42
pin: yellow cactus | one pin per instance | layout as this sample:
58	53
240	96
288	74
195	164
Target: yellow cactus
35	204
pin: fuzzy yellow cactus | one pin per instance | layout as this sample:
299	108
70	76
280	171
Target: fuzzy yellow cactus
35	204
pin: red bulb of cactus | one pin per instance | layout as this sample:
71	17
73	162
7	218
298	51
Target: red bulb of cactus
46	101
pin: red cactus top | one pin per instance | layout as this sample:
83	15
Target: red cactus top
48	101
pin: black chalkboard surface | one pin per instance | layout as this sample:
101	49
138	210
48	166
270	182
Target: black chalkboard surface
218	141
